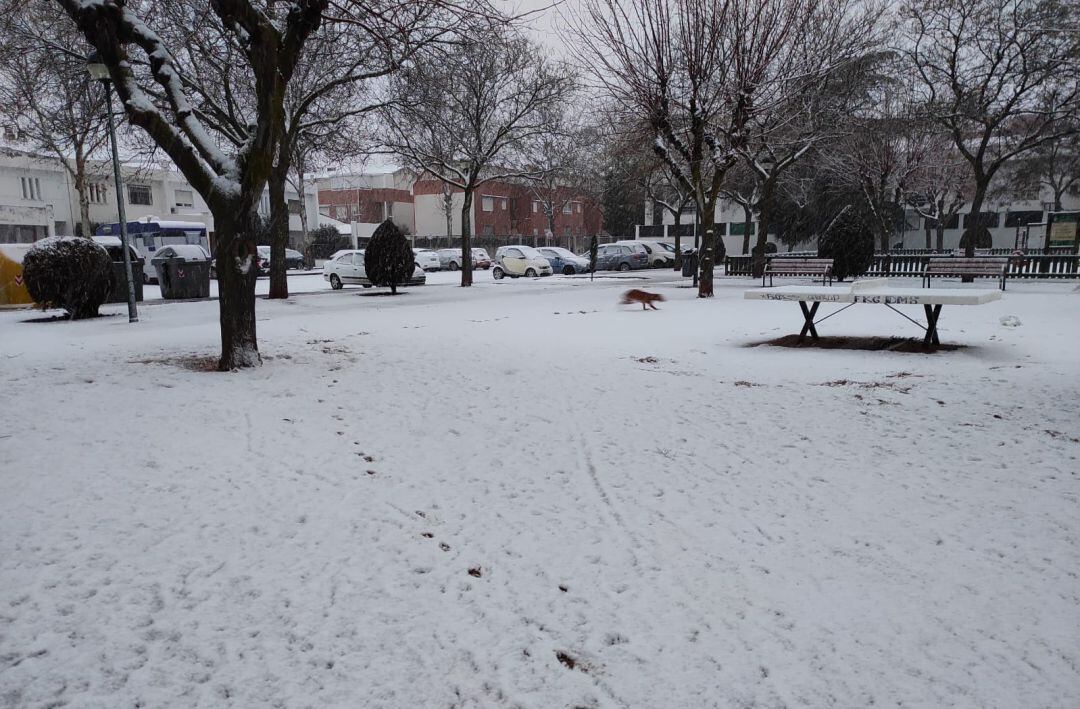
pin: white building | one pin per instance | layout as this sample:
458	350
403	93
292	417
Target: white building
38	197
1006	216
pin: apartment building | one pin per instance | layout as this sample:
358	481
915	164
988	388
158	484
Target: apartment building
38	197
500	208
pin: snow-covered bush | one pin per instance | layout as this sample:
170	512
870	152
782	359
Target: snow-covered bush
849	242
388	259
69	272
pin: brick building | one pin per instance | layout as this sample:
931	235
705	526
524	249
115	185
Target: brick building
500	208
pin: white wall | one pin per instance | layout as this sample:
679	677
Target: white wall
430	217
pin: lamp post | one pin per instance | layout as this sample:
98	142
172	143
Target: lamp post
99	72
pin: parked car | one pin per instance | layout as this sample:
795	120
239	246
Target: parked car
293	259
480	259
520	260
450	259
620	257
428	259
659	256
348	268
564	261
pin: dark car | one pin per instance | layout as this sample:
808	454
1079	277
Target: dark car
564	261
619	257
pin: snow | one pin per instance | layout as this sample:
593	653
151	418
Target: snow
689	520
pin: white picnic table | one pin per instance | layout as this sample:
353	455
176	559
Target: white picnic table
874	291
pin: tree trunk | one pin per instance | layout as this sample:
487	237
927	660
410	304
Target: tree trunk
84	194
448	210
748	221
279	232
764	211
302	190
926	230
678	240
706	260
971	231
466	241
236	253
940	229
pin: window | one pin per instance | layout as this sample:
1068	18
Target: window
953	222
294	206
184	198
536	207
1015	219
489	230
97	193
31	188
739	228
567	208
514	253
140	194
986	219
577	207
358	259
566	231
504	203
487	204
536	232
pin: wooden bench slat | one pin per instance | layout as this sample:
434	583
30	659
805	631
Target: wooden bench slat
987	267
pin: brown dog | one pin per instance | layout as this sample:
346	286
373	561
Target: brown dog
640	296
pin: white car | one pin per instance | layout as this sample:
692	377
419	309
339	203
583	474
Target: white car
659	256
348	268
520	260
428	259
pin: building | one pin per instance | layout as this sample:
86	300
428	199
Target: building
1013	222
38	198
503	209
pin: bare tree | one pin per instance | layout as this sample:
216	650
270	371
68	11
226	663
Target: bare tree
998	75
467	113
45	89
230	171
799	67
881	155
744	189
939	189
1053	166
332	89
672	196
665	65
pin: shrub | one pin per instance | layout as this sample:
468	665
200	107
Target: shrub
770	247
849	243
326	240
388	259
69	272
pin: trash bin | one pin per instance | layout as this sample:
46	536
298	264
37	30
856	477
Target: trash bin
119	292
116	254
183	273
689	263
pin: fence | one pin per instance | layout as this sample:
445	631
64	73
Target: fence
898	264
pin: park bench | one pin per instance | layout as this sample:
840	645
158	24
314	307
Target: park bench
798	267
978	267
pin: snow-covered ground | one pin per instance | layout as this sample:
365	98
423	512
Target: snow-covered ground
524	494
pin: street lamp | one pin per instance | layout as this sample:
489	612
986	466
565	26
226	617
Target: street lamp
99	72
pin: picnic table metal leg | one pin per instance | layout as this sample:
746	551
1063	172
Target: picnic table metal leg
808	324
932	314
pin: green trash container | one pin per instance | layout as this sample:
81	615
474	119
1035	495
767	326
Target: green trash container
183	271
